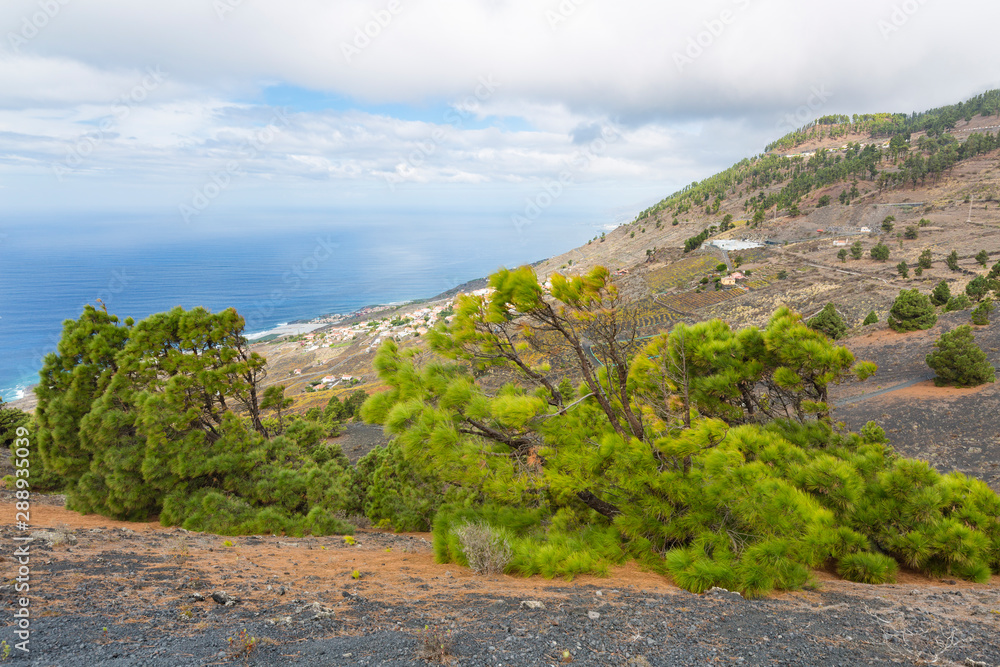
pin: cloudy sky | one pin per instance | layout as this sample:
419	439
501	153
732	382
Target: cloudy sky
190	105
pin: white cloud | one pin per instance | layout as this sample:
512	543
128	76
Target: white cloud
688	87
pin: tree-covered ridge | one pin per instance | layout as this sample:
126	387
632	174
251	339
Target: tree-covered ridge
888	125
753	179
706	453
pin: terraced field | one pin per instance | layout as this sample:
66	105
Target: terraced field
751	255
691	301
652	316
760	281
680	273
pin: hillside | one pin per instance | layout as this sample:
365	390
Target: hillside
867	168
653	524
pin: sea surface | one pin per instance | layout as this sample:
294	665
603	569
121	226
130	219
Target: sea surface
273	269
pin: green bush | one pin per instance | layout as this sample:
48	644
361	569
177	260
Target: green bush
941	294
829	322
960	302
868	568
978	288
486	549
911	311
387	488
871	318
959	361
981	313
952	261
880	252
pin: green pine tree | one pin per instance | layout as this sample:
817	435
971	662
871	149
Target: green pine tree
829	322
981	313
925	259
872	318
663	449
911	311
952	261
977	288
880	252
959	361
959	302
173	427
941	294
12	419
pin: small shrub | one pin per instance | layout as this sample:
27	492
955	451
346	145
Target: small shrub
960	302
911	233
487	549
981	313
952	261
983	258
868	568
925	259
781	274
242	646
872	318
435	645
904	271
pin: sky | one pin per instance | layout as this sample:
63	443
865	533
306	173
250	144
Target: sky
194	107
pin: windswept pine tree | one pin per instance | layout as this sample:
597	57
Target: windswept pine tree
165	416
705	453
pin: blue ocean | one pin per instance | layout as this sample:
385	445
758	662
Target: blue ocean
272	268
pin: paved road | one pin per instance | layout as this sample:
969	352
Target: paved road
873	394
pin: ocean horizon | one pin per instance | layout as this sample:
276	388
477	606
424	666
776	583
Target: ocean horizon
295	269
